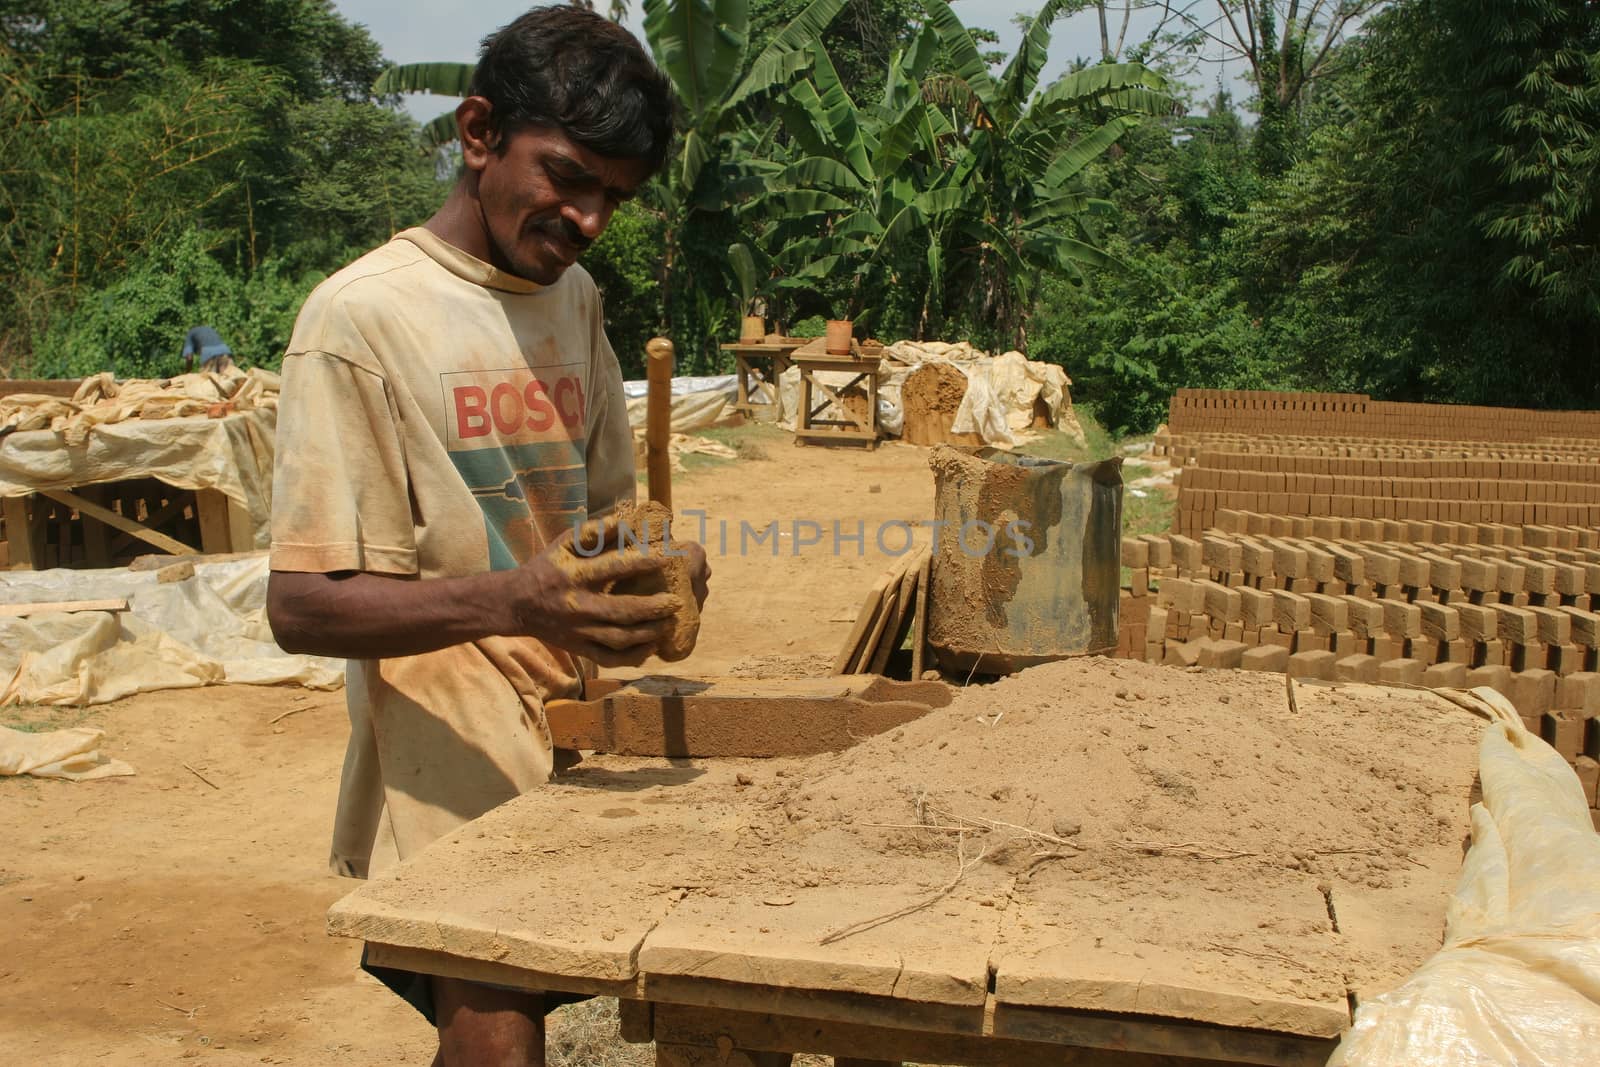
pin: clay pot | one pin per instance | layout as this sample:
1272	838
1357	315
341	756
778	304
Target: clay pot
753	330
837	337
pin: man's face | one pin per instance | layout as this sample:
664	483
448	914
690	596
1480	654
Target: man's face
545	199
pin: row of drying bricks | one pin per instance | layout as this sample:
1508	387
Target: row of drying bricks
1565	461
1413	531
1204	509
1522	624
1367	456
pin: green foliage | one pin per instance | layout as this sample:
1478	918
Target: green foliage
125	125
958	188
625	263
135	326
860	39
1437	242
1145	330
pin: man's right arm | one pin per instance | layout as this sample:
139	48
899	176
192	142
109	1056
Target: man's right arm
559	597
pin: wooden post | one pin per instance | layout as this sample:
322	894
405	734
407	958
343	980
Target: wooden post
658	420
215	535
96	535
19	534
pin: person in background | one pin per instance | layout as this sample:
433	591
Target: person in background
207	344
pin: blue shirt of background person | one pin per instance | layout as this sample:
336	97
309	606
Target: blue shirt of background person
208	344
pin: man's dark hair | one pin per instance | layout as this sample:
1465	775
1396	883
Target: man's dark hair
578	72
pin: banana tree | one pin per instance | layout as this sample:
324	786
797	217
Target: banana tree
701	45
1019	157
860	192
970	174
439	79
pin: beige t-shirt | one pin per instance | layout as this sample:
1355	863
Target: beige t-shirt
441	418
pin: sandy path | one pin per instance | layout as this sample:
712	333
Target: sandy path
154	919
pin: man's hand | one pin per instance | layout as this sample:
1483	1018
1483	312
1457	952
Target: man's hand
561	597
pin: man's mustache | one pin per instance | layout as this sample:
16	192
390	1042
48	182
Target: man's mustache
566	230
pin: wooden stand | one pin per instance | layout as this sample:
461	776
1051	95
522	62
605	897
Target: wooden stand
106	525
810	428
746	357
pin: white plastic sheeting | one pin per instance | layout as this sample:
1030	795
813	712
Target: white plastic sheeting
1000	397
1517	982
696	402
208	629
72	754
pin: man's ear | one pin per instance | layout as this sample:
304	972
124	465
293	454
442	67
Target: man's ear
475	127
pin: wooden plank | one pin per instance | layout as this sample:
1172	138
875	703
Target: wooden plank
869	647
126	525
636	1021
1114	1043
64	525
44	607
157	562
1250	942
894	633
774	933
19	534
1166	1040
864	619
492	891
755	718
215	534
919	627
1096	961
490	972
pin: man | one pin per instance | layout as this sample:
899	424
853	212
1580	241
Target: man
208	345
451	409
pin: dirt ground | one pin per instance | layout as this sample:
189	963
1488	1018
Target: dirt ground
178	915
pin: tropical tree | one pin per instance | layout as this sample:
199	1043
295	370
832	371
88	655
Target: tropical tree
976	172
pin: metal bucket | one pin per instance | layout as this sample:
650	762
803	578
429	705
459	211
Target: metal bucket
1027	560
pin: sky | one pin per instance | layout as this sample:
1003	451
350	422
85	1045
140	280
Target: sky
415	31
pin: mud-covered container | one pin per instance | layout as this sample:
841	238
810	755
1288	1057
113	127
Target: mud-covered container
1027	560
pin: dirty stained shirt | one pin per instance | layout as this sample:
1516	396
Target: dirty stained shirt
440	418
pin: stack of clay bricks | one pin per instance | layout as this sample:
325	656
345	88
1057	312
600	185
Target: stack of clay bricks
1518	616
1397	485
1198	411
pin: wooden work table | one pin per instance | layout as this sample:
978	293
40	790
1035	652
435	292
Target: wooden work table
682	888
748	357
864	366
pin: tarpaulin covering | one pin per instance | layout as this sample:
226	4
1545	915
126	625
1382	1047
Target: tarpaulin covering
696	402
71	754
1517	982
999	402
207	629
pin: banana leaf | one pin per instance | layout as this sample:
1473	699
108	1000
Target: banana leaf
963	51
772	66
700	45
441	79
1086	149
841	112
